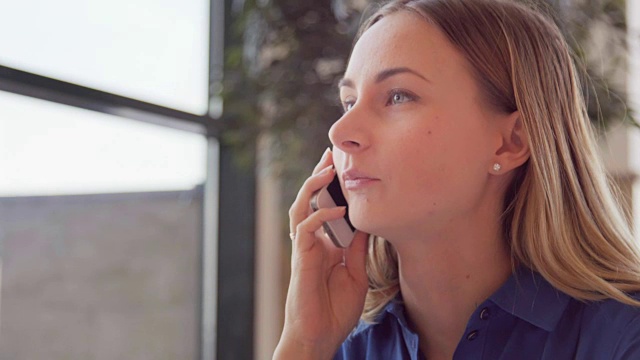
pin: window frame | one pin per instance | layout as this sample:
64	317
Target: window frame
227	237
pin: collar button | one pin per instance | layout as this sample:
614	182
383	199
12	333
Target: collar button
484	314
472	335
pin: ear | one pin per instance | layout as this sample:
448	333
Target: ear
513	149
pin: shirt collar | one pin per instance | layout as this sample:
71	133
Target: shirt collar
396	308
530	297
526	295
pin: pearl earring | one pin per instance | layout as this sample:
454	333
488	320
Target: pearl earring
496	167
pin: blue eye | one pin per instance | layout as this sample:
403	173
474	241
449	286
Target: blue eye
347	105
399	97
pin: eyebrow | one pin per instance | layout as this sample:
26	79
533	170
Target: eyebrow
384	75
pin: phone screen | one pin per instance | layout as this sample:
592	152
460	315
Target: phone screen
336	194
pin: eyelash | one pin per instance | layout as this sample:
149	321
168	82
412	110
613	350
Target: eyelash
390	98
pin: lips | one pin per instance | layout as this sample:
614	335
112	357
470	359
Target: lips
356	180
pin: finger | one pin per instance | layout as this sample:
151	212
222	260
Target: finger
300	208
325	160
305	231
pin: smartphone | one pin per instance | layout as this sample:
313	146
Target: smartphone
340	231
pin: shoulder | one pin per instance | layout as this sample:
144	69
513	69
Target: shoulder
611	313
616	323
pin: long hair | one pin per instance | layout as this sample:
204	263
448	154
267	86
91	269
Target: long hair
560	216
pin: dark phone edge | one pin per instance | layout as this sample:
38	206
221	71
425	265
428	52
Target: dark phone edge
325	226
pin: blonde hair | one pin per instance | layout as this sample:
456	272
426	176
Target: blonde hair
560	216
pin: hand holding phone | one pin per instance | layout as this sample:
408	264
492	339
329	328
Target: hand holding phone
328	284
340	231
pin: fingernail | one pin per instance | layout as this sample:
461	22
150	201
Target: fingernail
326	170
324	155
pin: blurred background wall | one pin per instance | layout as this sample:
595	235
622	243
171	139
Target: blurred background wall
104	276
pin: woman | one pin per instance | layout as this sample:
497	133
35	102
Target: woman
466	153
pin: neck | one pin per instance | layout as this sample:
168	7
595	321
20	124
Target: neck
445	277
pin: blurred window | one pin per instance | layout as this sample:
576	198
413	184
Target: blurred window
156	51
100	235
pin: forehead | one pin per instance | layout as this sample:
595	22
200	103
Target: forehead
404	39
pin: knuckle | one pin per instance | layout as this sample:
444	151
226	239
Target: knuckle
307	183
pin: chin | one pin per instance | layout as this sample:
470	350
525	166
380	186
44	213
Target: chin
371	222
366	225
385	228
360	223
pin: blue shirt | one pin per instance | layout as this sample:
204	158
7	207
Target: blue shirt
525	319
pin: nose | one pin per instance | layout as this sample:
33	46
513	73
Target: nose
349	133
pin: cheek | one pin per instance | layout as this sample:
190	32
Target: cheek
431	167
420	171
422	157
338	158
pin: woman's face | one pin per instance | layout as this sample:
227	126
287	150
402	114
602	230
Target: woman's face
415	147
